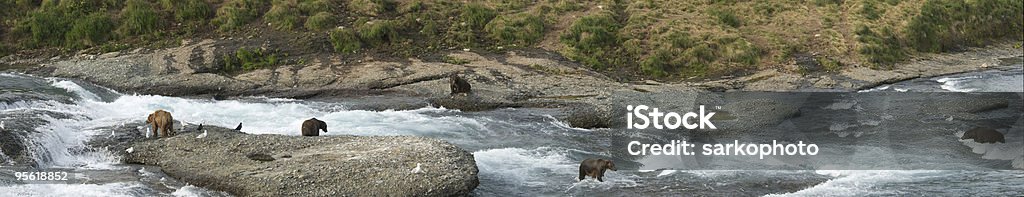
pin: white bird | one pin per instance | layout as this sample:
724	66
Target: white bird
183	125
417	169
111	133
950	118
2	124
202	135
147	132
130	150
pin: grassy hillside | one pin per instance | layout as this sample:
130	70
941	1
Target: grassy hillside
664	39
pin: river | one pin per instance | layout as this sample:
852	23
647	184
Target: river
519	151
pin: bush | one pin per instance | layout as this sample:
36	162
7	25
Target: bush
236	13
310	7
521	29
476	16
47	27
678	53
369	7
378	32
138	17
91	30
320	21
726	18
249	59
345	41
944	25
592	39
869	10
879	49
188	11
283	15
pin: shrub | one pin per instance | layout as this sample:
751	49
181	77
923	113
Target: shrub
249	59
188	11
283	15
879	49
678	53
521	29
345	40
943	25
236	13
378	32
476	16
320	21
726	17
91	30
591	39
47	27
310	7
369	7
869	10
138	17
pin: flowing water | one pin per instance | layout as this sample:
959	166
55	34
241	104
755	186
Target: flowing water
521	152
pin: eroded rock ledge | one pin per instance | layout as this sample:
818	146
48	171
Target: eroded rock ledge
311	166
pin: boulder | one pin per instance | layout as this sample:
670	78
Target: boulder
278	165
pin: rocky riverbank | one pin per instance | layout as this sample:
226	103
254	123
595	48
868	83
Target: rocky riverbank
276	165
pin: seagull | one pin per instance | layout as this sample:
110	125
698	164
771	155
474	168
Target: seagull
417	169
130	150
183	125
2	124
112	133
950	118
147	132
201	135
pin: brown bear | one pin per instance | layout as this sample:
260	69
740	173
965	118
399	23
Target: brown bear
458	84
984	135
162	123
313	126
595	168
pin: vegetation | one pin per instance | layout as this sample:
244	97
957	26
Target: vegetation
320	21
661	39
246	59
521	29
345	41
138	18
237	13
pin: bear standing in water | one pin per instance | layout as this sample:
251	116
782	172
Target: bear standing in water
313	126
984	135
595	168
458	85
161	120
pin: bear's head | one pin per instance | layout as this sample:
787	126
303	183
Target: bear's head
609	165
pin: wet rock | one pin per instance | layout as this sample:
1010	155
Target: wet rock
277	165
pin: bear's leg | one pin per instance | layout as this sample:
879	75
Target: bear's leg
583	174
155	130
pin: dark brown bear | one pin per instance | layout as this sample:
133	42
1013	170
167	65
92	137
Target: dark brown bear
313	126
458	84
984	135
595	168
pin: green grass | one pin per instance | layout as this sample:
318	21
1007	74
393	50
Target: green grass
521	29
476	16
454	60
378	32
592	40
369	7
237	13
945	25
345	41
138	17
91	30
283	15
726	17
320	21
188	11
881	49
245	59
